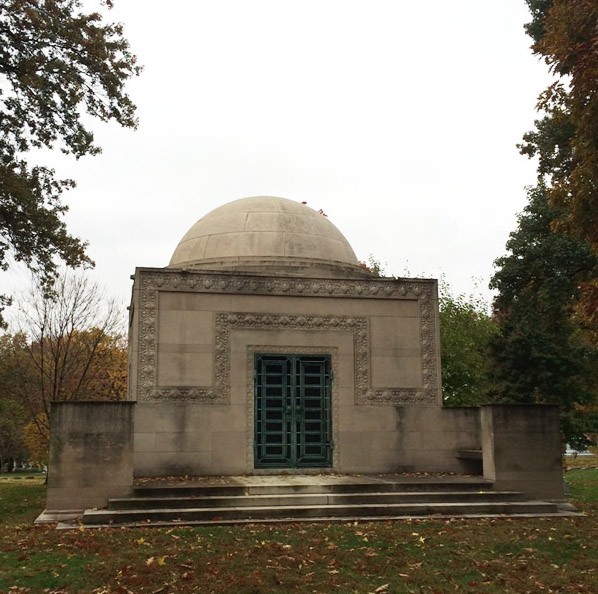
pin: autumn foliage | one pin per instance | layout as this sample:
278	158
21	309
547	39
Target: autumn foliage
547	302
566	137
68	347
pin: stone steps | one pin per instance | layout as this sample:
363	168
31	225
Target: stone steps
310	499
293	513
280	487
313	500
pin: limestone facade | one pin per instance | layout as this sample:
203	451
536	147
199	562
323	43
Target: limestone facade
263	281
195	335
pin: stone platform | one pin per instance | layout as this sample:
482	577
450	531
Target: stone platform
312	498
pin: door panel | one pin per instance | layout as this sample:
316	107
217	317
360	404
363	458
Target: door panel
292	411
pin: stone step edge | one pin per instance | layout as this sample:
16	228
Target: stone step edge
516	495
315	520
331	508
406	487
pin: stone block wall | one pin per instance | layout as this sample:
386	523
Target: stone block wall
429	438
195	439
91	454
97	447
178	439
522	449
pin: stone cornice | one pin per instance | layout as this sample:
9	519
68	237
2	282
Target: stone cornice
245	284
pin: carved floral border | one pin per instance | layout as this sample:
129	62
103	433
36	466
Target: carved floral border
152	282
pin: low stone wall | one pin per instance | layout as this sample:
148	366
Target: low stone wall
98	447
429	439
91	454
521	446
195	439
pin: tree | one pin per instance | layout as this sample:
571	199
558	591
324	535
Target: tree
13	419
13	414
37	437
566	137
466	330
541	354
57	63
547	306
68	347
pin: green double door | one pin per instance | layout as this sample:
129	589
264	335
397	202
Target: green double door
293	424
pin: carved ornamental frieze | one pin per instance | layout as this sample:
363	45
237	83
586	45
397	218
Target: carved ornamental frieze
155	281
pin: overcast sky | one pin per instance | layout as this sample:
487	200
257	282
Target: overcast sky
398	119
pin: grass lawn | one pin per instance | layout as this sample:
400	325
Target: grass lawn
436	556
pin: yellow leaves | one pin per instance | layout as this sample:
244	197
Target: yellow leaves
420	539
37	438
140	541
157	560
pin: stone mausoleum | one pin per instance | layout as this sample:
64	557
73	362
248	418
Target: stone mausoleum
264	347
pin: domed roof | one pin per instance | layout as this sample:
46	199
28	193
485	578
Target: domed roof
263	233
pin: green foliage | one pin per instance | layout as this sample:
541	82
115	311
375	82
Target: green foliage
547	306
465	333
581	425
565	140
539	10
13	418
374	266
541	355
57	64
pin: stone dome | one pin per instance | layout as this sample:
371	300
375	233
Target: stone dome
266	234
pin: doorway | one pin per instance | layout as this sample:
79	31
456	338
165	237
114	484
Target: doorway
293	422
